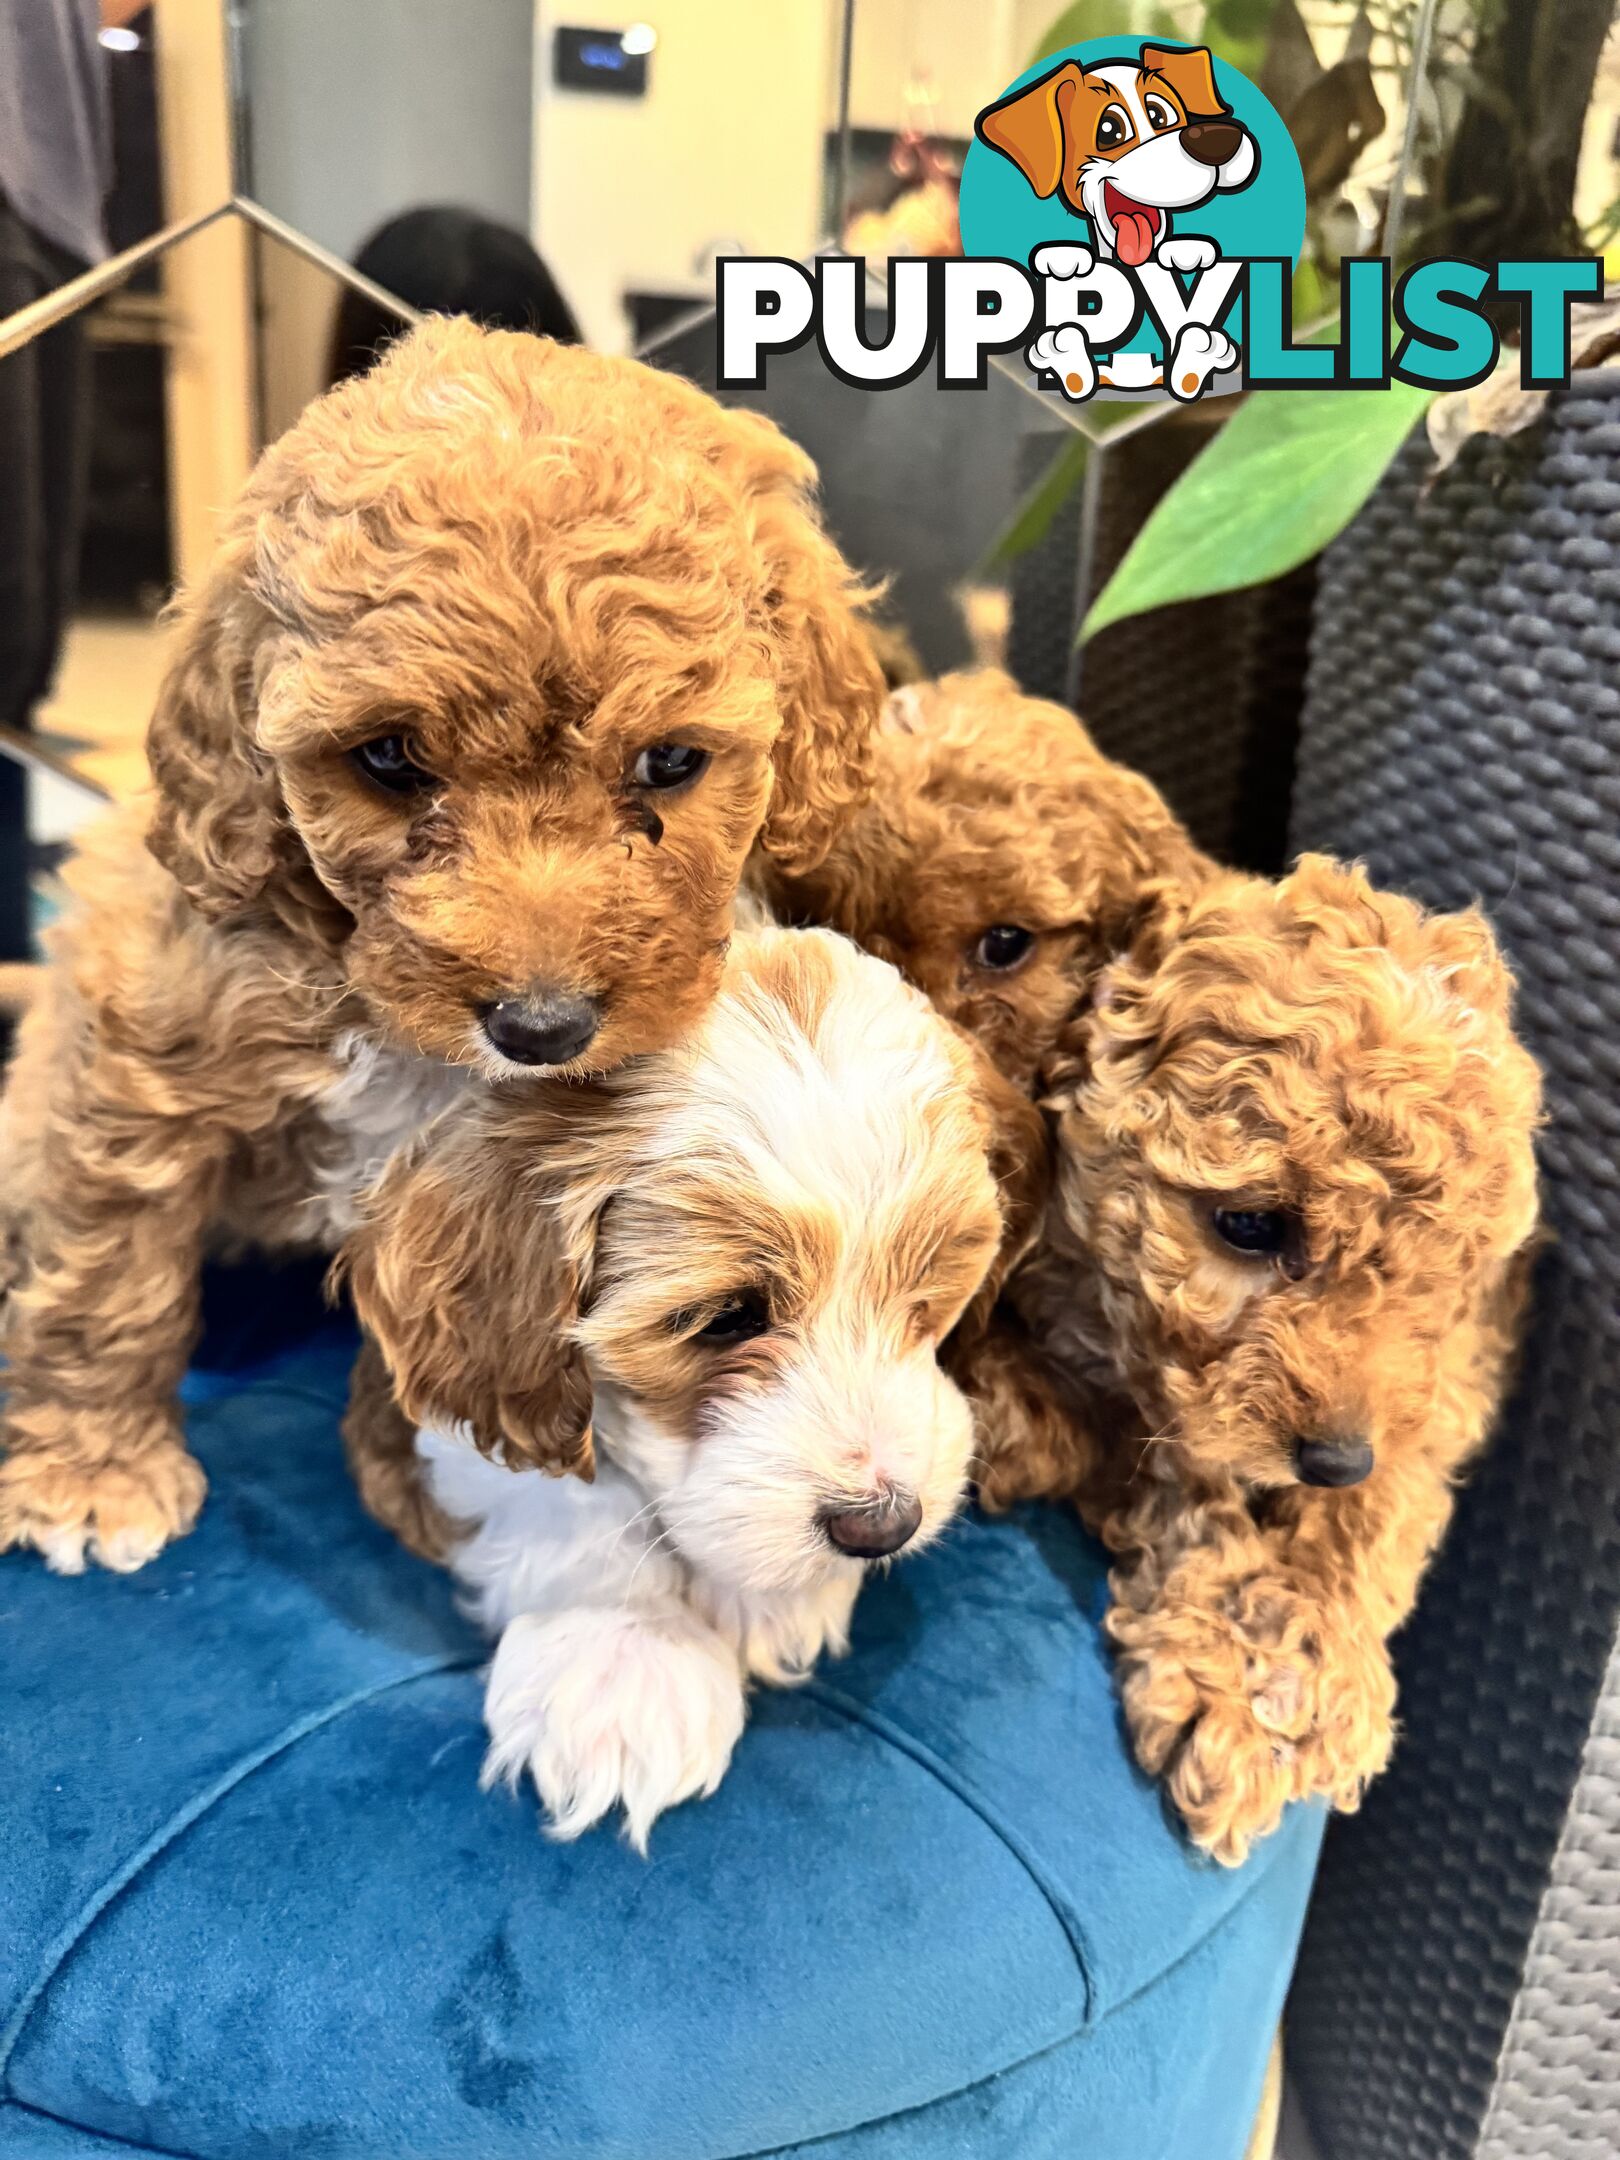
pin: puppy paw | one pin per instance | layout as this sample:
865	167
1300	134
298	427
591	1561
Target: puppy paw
120	1514
1240	1712
1188	253
1226	1775
635	1709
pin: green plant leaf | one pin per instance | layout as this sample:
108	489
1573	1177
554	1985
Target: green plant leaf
1312	297
1035	509
1288	472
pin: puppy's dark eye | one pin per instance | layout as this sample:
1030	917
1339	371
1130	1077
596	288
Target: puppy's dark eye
1257	1233
739	1319
1158	113
388	764
1003	945
1112	129
669	765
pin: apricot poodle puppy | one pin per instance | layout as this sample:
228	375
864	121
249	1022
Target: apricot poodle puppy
747	1252
1271	1315
999	862
511	658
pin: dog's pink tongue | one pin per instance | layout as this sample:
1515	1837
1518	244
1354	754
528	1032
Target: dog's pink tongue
1133	236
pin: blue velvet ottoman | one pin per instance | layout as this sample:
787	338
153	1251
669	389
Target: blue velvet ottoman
253	1905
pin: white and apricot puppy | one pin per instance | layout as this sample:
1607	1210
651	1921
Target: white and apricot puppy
715	1285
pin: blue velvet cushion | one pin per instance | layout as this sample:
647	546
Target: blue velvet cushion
254	1904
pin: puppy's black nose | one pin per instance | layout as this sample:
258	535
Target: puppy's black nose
1211	142
874	1531
548	1027
1332	1462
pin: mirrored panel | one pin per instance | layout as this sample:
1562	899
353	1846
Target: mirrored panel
148	406
918	76
968	505
439	146
350	112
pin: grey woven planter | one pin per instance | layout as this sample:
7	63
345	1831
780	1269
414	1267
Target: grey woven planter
1459	1987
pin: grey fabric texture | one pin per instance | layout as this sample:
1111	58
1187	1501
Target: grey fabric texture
1557	2093
1462	735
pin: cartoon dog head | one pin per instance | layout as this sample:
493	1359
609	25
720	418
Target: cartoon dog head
1125	142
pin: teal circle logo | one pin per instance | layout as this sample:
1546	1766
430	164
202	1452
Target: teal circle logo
1125	147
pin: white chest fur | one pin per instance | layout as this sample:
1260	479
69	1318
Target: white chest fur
379	1099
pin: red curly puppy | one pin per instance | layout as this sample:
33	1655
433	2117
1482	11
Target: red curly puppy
1000	861
510	658
1272	1314
1270	1311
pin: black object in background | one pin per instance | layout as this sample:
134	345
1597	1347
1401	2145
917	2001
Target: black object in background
444	261
597	60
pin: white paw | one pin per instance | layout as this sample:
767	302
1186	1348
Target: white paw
1188	253
1065	353
125	1551
1063	264
638	1709
66	1549
1199	353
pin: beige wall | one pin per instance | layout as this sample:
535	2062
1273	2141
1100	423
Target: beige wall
934	64
297	305
723	154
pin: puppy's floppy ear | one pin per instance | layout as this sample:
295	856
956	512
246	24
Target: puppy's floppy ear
219	827
829	681
1190	74
468	1273
1029	126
